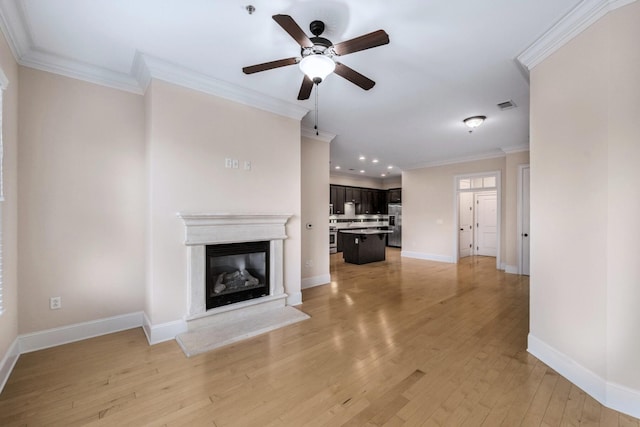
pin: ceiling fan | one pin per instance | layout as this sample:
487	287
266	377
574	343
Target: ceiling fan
318	55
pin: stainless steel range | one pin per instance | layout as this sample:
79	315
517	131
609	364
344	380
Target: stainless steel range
333	240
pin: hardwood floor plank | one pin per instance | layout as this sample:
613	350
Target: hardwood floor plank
403	342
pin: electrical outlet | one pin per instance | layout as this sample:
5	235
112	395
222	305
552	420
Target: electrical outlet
228	163
55	303
236	163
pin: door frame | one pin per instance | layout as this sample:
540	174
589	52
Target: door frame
519	213
456	205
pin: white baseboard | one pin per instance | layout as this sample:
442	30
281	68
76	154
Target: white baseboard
428	257
77	332
8	362
294	298
310	282
163	331
511	269
611	395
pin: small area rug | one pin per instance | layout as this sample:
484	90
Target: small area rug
212	337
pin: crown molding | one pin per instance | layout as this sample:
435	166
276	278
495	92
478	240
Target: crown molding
17	34
483	156
160	69
14	26
568	27
55	64
311	134
515	149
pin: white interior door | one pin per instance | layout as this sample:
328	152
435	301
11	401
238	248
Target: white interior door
486	213
525	222
465	224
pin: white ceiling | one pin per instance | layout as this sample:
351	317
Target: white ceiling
446	60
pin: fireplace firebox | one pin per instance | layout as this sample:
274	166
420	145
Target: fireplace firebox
236	272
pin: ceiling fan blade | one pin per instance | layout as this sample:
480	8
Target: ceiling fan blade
269	65
354	77
289	25
305	89
367	41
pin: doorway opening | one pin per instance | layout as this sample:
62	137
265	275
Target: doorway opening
523	219
477	215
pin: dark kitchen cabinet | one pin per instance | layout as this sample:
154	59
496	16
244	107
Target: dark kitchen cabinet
336	197
395	195
373	202
366	206
353	195
378	202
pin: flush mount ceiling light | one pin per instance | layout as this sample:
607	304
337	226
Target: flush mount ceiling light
474	122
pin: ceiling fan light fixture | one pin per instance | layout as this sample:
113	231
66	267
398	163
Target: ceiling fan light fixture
474	122
317	67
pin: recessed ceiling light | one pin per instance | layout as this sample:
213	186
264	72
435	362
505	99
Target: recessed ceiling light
362	171
389	167
383	174
374	161
363	158
337	167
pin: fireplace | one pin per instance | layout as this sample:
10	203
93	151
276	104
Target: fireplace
235	278
235	237
236	272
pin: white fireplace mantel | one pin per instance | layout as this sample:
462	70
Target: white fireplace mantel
219	228
202	229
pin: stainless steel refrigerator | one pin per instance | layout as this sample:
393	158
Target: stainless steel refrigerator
395	224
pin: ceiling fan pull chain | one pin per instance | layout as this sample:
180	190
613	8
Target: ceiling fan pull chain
316	125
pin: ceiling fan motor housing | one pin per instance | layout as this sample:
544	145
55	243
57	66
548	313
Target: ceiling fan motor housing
316	27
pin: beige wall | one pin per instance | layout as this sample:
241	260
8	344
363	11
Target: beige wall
356	181
81	201
584	206
428	206
9	319
190	135
315	203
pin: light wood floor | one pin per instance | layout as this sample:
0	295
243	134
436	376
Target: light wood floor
402	342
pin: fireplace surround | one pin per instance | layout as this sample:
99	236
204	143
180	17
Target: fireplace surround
207	229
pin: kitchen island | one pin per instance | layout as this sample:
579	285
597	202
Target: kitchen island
364	246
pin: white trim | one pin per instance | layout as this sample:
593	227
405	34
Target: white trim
511	269
322	136
77	332
573	23
48	62
163	331
519	213
623	399
8	362
456	207
483	156
163	70
311	282
515	149
611	395
427	257
294	298
17	35
14	25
